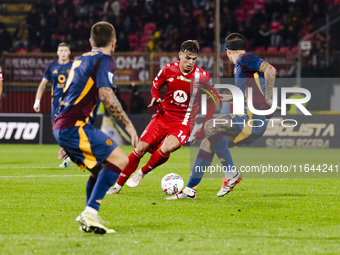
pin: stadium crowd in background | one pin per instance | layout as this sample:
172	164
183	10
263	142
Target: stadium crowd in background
161	25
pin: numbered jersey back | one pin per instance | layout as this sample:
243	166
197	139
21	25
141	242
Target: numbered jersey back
80	100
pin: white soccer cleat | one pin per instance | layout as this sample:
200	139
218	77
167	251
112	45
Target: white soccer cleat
114	190
187	193
135	179
91	223
229	184
66	163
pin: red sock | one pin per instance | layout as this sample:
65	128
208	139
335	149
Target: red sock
157	158
134	159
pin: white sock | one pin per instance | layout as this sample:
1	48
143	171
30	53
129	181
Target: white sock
117	186
90	210
189	191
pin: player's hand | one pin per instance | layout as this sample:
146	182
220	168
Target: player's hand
133	133
225	97
155	101
62	154
198	136
36	106
269	102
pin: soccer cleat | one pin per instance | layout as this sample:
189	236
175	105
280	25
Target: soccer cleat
91	223
135	179
187	193
114	190
229	184
66	163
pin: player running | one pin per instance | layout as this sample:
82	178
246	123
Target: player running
170	128
249	71
56	72
91	81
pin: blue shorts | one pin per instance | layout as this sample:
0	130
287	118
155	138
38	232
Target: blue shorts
248	128
85	145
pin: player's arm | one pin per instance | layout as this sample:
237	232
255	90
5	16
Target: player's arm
269	76
114	108
40	92
211	104
157	85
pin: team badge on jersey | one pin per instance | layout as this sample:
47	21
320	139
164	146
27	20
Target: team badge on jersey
180	96
109	142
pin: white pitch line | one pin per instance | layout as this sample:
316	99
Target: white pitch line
35	176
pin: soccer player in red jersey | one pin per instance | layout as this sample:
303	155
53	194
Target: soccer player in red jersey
250	72
170	128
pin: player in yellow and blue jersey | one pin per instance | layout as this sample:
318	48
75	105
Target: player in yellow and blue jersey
90	82
250	72
57	73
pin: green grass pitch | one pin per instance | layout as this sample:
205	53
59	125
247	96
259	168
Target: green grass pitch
39	204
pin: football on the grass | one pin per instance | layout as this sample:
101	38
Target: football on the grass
172	183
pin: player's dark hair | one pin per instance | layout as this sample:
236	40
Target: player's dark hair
64	44
102	34
235	41
190	46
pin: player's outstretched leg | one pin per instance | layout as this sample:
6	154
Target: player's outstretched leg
66	163
134	159
219	143
157	158
203	160
89	219
89	187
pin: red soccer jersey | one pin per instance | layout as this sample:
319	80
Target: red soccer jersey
183	97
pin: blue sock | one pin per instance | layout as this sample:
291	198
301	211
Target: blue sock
107	176
202	161
89	186
220	145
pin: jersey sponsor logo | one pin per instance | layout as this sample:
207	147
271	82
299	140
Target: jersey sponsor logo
55	71
171	80
180	96
110	75
61	79
182	78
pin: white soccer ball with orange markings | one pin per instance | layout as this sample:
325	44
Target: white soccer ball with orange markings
172	183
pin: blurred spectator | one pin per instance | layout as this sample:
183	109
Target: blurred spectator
21	36
205	35
112	5
82	10
257	19
44	36
81	30
156	42
175	21
137	102
5	39
65	23
54	43
262	38
122	42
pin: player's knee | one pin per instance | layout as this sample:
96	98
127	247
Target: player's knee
124	162
205	145
169	147
141	149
